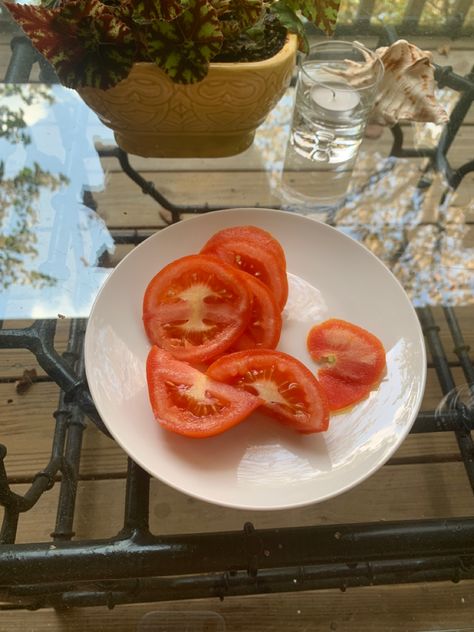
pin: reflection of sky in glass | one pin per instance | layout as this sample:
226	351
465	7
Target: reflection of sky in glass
52	268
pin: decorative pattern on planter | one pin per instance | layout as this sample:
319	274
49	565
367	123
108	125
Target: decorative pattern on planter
152	116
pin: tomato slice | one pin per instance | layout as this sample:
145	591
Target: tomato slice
255	251
341	393
355	360
289	390
264	328
196	307
190	403
253	234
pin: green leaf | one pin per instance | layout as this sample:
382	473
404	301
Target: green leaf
322	13
292	22
184	47
83	40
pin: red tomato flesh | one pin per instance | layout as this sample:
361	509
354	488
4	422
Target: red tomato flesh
354	361
196	307
341	393
255	251
289	390
190	403
264	328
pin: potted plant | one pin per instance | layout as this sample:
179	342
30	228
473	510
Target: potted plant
175	77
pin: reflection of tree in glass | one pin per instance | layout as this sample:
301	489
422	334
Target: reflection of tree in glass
422	234
12	123
20	193
17	198
12	126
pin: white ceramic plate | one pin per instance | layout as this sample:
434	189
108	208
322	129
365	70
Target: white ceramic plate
260	464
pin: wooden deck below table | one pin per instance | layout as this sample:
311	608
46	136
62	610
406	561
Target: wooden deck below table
424	479
411	608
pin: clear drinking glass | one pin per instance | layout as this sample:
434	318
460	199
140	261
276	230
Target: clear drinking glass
335	92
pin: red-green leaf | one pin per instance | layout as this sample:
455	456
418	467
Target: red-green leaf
291	22
236	16
36	22
184	47
247	12
149	10
83	40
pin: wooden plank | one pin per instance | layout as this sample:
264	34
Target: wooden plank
465	194
395	492
429	42
5	53
121	250
412	14
365	11
258	157
465	318
122	204
462	8
28	425
27	430
410	608
29	446
447	54
14	361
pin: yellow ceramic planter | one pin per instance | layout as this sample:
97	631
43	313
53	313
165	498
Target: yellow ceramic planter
152	116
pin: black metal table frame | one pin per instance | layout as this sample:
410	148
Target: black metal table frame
137	566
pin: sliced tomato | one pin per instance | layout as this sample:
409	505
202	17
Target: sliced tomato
252	234
354	360
255	251
341	393
290	391
190	403
264	328
196	307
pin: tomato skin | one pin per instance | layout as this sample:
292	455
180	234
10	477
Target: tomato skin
290	392
253	234
342	393
255	251
196	307
190	403
264	328
356	360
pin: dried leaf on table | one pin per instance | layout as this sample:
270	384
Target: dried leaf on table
24	383
444	49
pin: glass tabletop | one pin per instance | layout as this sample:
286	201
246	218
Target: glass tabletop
67	204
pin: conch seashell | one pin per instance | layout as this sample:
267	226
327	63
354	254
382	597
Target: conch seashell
407	89
406	92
